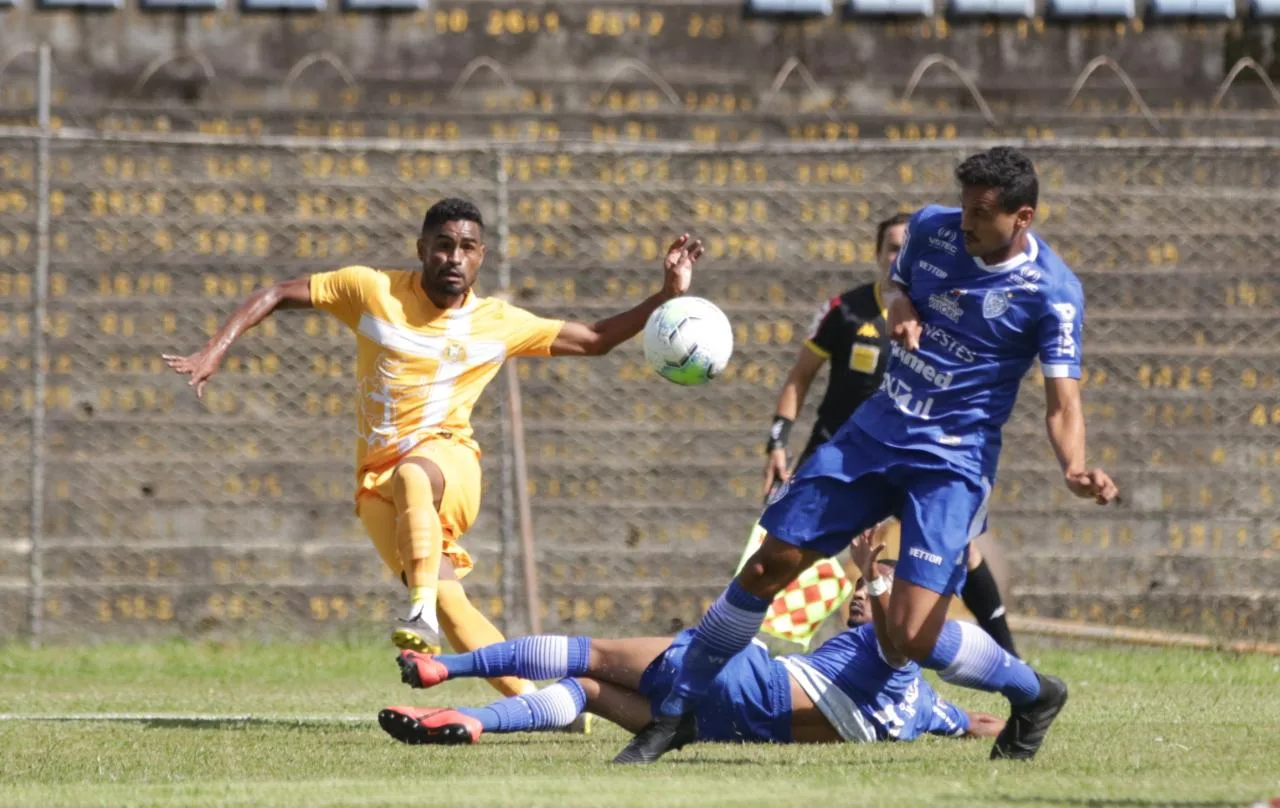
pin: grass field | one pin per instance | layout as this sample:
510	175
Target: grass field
1144	728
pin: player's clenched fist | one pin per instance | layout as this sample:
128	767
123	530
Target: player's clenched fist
677	267
902	318
1094	483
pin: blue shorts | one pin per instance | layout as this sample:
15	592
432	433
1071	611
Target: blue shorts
749	701
854	481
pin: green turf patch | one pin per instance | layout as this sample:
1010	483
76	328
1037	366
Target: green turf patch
1143	728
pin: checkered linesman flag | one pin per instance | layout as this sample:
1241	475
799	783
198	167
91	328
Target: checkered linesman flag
798	611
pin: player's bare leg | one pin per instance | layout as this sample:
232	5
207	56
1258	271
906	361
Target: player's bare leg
621	705
965	655
727	627
417	488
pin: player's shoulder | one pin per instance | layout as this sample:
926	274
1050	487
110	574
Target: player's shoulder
1051	275
364	274
498	310
932	218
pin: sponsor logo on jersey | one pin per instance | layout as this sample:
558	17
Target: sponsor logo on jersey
925	555
939	378
1030	273
900	392
1066	328
995	303
944	338
948	233
1024	283
945	306
933	269
942	244
868	330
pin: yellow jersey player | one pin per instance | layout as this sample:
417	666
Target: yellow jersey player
427	346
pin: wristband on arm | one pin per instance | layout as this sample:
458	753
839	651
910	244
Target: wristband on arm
779	433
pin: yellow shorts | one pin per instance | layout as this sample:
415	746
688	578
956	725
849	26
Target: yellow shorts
459	503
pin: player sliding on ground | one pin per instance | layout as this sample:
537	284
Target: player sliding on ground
844	691
426	347
974	298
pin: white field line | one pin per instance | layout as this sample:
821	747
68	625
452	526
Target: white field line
192	718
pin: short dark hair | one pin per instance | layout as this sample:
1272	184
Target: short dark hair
1005	168
882	229
451	209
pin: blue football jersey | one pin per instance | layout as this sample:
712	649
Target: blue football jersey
983	327
900	704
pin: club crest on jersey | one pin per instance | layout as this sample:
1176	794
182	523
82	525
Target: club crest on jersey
994	304
455	352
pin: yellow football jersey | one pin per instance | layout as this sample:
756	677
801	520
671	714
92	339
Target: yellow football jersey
420	368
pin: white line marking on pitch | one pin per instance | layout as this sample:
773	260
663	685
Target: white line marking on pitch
189	718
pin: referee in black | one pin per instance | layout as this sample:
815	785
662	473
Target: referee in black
850	332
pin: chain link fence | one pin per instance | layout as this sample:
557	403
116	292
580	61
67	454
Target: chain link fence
164	514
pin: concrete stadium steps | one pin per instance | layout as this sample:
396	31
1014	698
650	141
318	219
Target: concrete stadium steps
90	612
683	41
1174	573
192	291
279	498
703	114
1220	615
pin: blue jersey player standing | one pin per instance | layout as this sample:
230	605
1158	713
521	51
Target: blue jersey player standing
975	297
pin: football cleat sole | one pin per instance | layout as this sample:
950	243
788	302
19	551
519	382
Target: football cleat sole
450	729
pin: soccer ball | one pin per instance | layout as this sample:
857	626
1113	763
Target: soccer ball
688	340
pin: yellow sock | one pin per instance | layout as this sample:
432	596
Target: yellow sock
426	595
468	629
419	537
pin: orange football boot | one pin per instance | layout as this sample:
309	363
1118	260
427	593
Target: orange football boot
430	725
420	670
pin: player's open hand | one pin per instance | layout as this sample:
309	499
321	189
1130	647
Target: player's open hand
1093	484
775	470
903	319
865	554
677	267
200	366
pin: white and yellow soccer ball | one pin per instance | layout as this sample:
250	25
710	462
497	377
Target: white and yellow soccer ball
688	340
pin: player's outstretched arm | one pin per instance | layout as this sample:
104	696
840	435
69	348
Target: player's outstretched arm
597	339
865	554
1064	420
983	725
794	391
201	365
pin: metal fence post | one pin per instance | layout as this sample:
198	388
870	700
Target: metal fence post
510	541
39	361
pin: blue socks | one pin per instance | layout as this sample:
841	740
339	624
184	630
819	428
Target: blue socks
966	655
550	708
727	628
543	657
